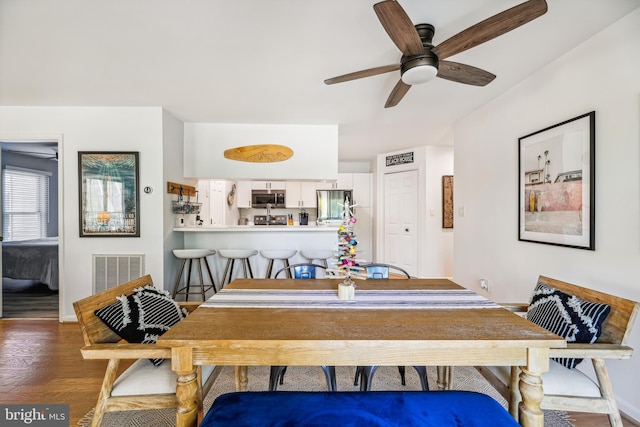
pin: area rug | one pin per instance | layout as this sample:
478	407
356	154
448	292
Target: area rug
300	378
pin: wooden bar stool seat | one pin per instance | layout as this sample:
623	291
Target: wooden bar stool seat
191	255
237	254
278	255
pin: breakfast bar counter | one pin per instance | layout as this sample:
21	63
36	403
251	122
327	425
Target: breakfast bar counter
259	229
260	237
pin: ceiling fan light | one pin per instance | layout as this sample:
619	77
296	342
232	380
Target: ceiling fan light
419	74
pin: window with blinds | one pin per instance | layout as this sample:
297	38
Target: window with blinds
25	204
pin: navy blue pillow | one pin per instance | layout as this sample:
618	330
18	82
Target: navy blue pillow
142	316
566	315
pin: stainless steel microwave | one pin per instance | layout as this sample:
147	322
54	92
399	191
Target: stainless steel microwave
260	198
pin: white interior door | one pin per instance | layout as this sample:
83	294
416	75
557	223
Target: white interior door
400	220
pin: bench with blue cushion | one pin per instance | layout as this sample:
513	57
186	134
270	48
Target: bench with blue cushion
345	409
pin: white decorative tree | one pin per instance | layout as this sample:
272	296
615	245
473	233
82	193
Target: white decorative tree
347	266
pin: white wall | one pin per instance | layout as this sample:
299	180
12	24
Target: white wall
172	155
315	151
98	129
437	244
601	75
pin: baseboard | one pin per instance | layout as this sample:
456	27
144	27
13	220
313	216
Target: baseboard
628	411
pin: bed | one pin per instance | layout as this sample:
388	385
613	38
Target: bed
32	259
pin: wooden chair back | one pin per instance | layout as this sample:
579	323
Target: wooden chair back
617	326
94	330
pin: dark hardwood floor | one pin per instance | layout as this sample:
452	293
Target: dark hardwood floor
28	299
40	362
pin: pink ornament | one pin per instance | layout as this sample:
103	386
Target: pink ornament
352	219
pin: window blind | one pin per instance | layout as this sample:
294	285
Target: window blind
25	204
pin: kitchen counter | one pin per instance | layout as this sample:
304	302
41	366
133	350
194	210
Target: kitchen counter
259	237
259	228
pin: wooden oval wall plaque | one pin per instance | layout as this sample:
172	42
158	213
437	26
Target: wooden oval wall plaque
264	153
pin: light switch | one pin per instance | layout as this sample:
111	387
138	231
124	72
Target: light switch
461	211
432	212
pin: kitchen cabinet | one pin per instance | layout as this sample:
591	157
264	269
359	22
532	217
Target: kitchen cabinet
212	196
345	181
360	183
217	202
301	194
364	233
268	185
243	194
325	185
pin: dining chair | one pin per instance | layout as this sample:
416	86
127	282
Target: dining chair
149	382
305	270
382	271
605	321
364	374
276	376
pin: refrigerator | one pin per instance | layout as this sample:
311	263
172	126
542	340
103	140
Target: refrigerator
330	205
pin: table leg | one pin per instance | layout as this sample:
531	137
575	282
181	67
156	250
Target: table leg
186	387
240	373
530	414
444	377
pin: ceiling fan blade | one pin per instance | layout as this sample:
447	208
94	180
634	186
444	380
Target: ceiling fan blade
462	73
491	28
399	27
364	73
398	92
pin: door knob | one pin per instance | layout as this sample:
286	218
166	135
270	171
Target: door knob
406	229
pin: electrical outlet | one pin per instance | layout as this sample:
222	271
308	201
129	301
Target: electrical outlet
484	284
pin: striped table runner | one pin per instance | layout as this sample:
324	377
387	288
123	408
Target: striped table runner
366	299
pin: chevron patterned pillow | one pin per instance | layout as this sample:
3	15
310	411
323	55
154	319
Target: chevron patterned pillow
571	317
142	316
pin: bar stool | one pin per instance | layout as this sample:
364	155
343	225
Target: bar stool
282	255
321	255
237	254
191	255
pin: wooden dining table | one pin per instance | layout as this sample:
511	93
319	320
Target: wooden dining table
391	322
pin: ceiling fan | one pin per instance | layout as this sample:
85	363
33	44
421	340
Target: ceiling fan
421	61
38	154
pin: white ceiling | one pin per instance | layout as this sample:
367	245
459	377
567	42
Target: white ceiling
264	61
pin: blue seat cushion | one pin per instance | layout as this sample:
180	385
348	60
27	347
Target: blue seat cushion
351	409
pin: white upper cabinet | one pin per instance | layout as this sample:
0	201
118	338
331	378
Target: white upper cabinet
344	182
292	197
243	194
268	185
217	199
360	183
301	194
325	185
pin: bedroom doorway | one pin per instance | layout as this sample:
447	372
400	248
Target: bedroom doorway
30	232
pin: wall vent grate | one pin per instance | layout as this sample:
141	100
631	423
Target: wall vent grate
112	270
